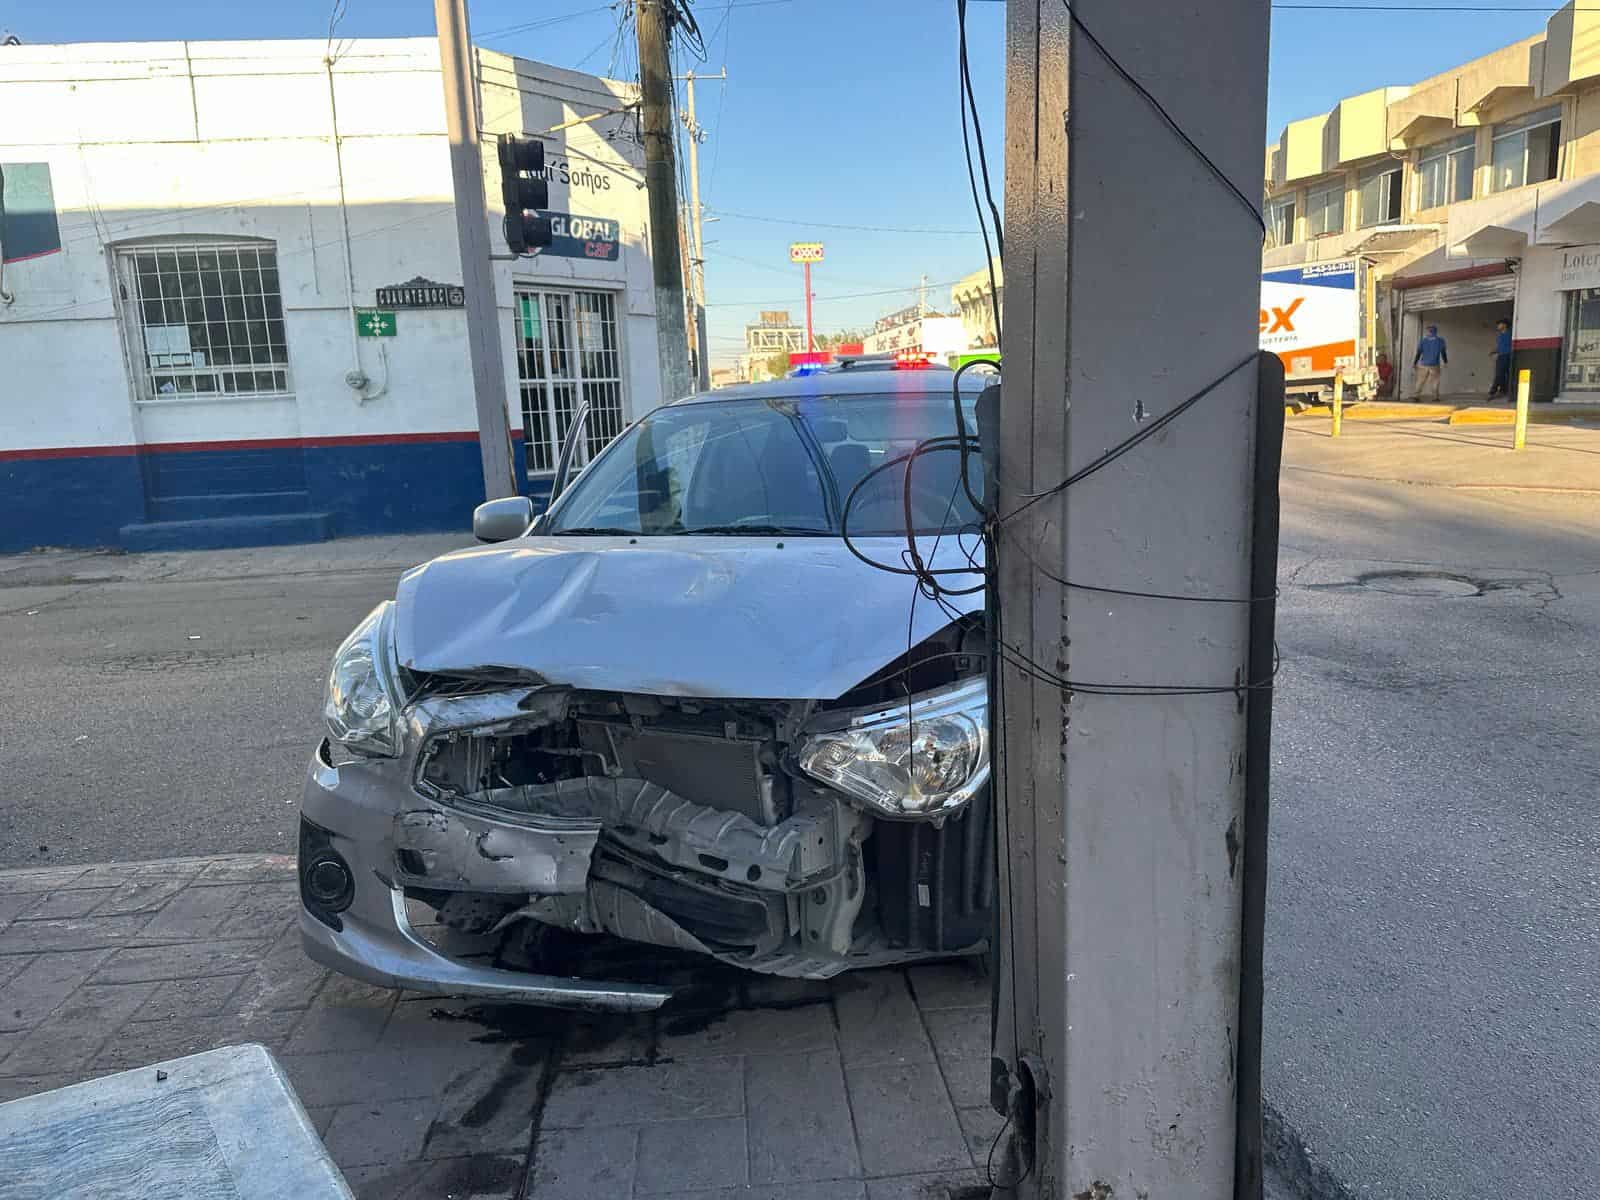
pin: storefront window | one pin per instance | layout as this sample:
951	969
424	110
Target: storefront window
1583	340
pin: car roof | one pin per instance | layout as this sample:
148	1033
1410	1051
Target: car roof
844	383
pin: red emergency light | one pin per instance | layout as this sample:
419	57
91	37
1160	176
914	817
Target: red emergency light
912	360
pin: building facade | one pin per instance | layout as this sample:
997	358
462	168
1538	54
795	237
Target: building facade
232	309
916	328
1476	195
978	299
774	333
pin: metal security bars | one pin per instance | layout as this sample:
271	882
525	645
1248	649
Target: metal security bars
205	320
567	355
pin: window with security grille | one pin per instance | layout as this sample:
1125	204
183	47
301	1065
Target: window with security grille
568	355
205	319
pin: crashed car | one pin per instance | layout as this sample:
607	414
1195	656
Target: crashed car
681	708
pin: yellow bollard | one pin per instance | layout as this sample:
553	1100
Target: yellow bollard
1519	439
1338	401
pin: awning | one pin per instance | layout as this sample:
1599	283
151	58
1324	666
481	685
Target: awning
1557	213
1394	239
1493	241
1569	212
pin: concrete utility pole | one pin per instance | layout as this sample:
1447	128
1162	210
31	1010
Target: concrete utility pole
472	233
655	87
1133	826
697	266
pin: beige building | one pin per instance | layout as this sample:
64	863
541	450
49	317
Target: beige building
1476	195
974	299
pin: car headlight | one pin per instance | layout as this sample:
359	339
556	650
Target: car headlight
922	760
363	705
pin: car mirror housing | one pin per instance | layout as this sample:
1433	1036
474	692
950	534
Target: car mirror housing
503	519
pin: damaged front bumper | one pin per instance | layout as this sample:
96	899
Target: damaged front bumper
547	807
350	811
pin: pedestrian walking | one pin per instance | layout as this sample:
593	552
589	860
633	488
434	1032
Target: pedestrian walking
1502	359
1432	353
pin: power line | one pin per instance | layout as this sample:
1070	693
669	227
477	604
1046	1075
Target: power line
837	296
809	224
789	270
1427	8
541	23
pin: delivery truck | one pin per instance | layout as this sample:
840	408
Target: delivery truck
1320	320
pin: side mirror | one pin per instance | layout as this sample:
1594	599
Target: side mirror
503	519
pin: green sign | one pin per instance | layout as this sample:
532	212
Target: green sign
375	324
987	356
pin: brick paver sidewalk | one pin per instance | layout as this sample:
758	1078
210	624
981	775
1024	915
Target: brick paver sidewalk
871	1086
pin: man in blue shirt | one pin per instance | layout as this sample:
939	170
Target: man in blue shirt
1502	359
1431	355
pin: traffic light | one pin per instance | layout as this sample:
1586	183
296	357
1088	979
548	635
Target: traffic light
523	190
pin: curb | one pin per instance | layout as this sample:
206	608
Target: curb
1536	416
1367	411
217	865
1449	414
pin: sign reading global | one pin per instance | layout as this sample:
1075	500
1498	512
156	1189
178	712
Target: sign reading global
573	236
805	252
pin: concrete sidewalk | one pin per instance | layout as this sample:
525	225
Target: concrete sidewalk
869	1086
1557	459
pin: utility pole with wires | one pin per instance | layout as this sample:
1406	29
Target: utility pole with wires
1135	540
472	233
697	265
655	19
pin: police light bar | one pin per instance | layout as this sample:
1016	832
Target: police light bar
912	360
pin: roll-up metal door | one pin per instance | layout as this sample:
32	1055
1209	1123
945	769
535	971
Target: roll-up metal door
1460	293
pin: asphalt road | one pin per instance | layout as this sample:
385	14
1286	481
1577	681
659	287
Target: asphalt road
1434	927
167	705
1433	1011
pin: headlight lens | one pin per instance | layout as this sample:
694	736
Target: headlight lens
363	705
925	759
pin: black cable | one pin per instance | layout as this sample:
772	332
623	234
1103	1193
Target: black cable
977	128
927	572
1112	591
961	419
1045	675
1172	123
1122	447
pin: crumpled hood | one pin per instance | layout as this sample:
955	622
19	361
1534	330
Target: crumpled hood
730	617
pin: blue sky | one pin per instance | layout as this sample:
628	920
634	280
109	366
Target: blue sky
835	113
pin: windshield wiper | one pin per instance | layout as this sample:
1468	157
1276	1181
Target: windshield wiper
596	531
755	530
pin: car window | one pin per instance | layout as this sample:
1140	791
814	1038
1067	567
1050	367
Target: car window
775	465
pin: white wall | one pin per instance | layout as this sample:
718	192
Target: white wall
235	139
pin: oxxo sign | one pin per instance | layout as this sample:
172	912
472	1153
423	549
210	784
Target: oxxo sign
805	252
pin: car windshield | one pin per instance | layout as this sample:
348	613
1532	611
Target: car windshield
763	466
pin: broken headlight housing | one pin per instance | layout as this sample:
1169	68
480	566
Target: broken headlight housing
363	705
924	759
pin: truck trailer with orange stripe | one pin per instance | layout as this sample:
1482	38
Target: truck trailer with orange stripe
1319	319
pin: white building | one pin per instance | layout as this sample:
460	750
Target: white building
915	328
196	237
